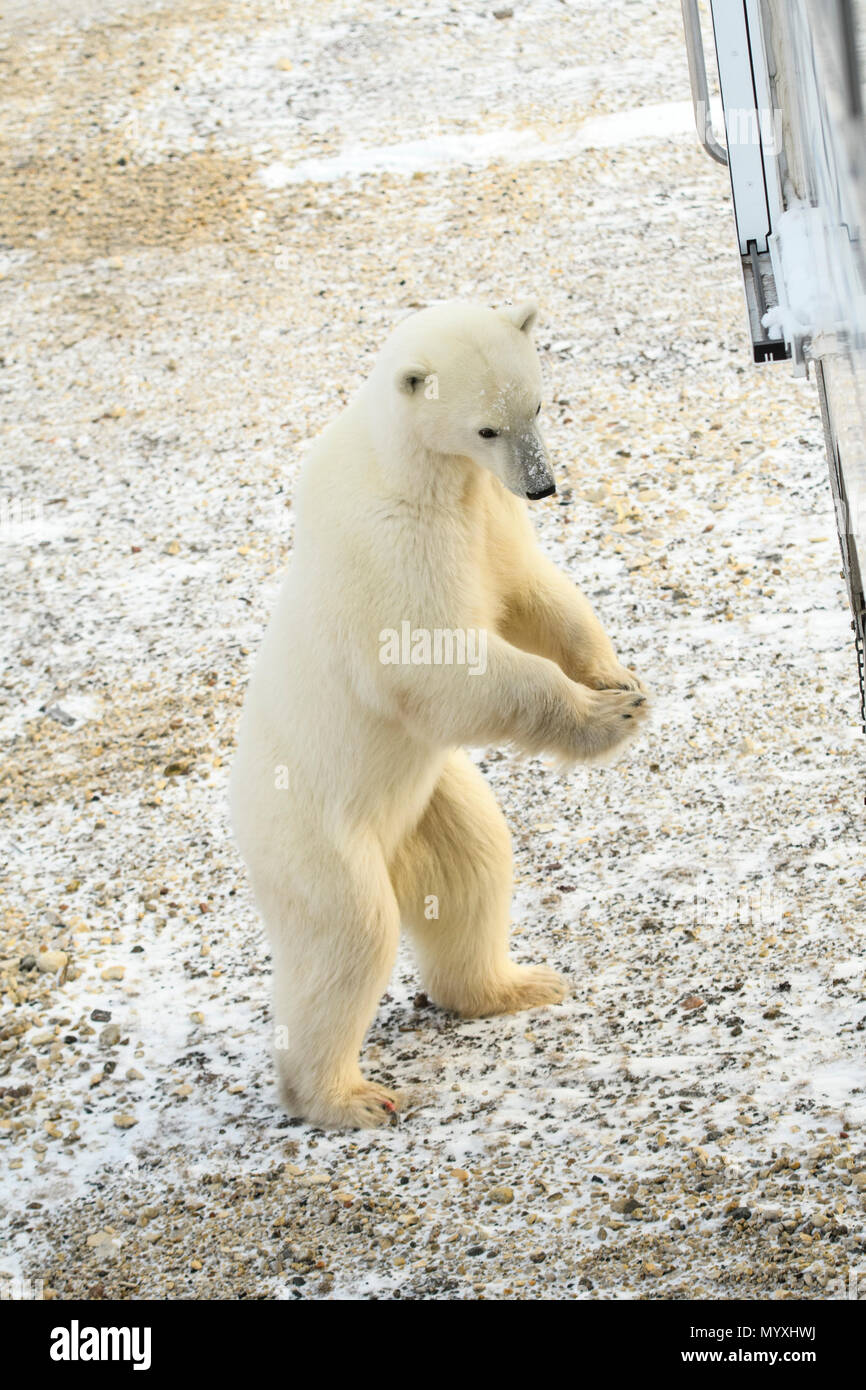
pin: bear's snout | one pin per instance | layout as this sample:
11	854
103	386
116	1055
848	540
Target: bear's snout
532	467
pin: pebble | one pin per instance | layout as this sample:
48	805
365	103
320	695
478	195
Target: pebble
101	1239
50	962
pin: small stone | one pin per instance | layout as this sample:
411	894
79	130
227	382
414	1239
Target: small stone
625	1206
60	716
102	1238
109	1036
125	1121
50	962
501	1195
113	972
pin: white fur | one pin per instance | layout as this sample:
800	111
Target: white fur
405	513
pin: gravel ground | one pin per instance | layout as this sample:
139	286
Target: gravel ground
210	215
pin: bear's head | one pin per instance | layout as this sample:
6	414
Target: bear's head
465	383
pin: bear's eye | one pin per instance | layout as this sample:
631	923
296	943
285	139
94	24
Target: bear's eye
538	408
489	434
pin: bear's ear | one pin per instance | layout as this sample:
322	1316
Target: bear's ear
409	379
522	315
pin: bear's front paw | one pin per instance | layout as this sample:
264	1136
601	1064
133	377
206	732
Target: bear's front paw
615	678
606	719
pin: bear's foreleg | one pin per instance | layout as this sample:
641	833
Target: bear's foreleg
520	697
548	615
452	878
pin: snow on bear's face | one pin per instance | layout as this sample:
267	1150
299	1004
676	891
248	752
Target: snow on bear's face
467	382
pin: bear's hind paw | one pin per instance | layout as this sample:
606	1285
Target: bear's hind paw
524	987
365	1106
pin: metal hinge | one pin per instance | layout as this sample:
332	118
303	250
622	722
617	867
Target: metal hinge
760	286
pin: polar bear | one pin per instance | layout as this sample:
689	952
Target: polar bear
353	802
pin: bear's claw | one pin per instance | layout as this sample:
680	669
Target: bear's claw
365	1106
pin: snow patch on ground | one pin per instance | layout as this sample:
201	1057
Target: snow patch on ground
663	120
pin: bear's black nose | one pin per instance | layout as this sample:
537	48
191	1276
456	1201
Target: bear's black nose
546	492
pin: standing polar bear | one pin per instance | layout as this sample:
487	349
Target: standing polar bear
353	802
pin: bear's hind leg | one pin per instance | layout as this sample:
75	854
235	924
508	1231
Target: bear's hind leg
452	878
333	952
